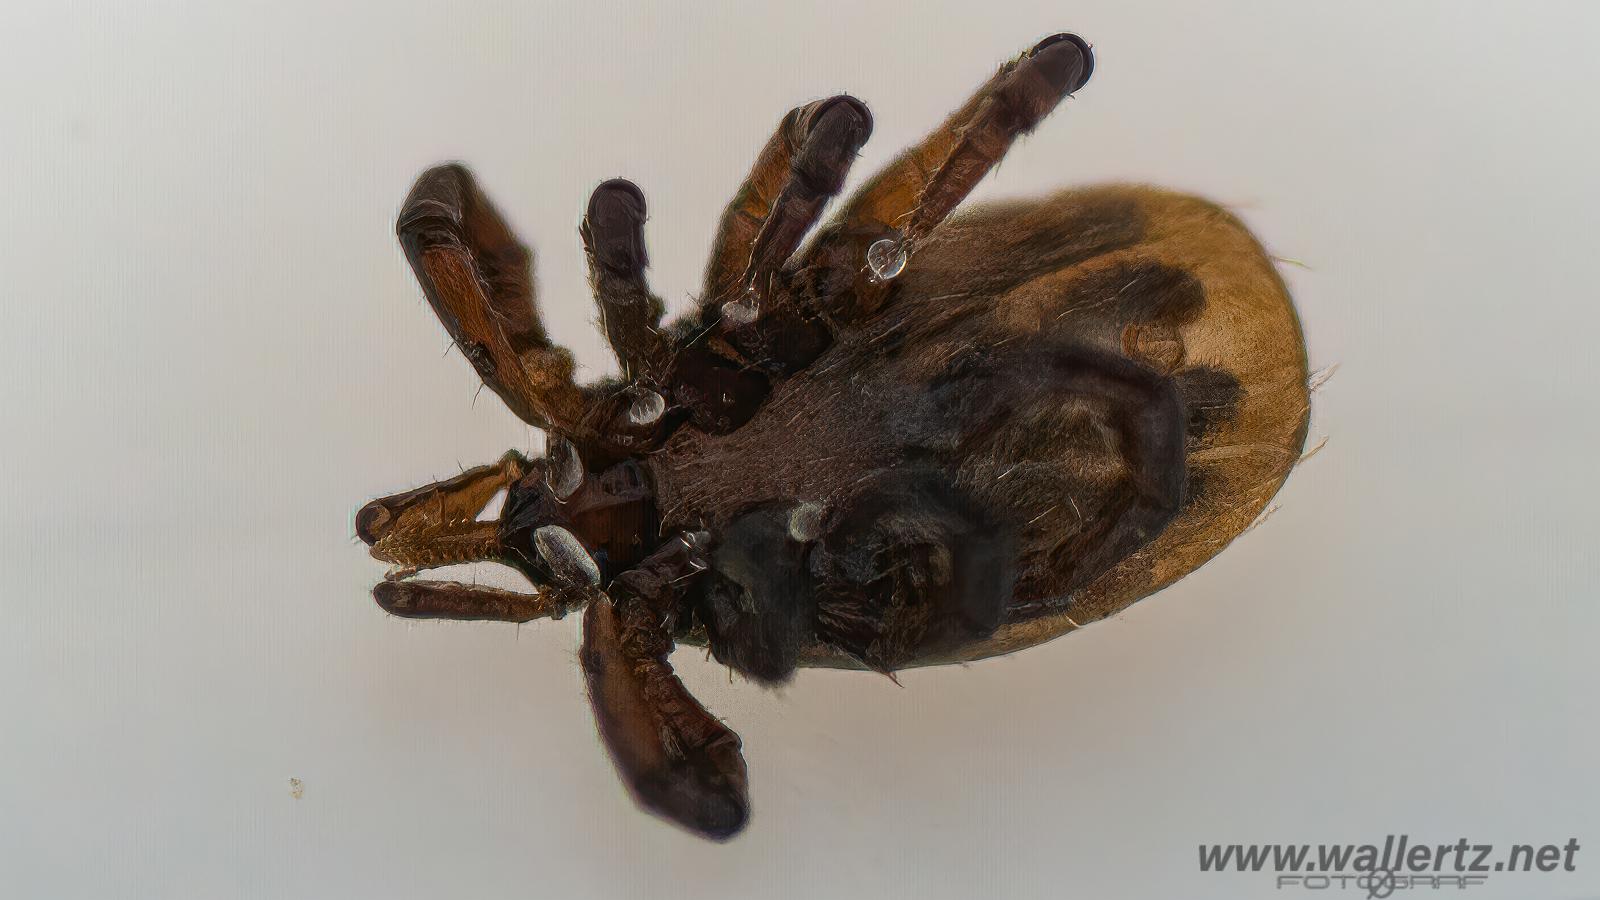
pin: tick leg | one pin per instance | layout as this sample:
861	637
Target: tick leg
802	166
613	239
910	197
462	602
677	760
477	276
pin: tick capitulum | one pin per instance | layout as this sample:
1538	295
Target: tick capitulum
915	440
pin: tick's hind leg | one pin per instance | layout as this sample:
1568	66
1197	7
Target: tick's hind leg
677	760
904	202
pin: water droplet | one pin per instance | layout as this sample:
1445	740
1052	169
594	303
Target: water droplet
565	472
696	542
569	562
647	406
887	258
741	312
805	521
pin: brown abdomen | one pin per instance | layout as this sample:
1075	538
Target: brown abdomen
1171	283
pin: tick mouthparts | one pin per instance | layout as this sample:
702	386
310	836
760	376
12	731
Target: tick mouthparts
430	545
371	522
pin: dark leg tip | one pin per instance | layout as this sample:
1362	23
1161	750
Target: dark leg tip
370	520
834	130
698	800
1066	60
392	596
723	819
614	225
843	108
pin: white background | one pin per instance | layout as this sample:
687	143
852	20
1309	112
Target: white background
212	352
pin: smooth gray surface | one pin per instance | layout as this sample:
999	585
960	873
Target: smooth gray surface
211	352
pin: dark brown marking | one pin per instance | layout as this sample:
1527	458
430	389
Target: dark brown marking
721	395
909	566
1210	397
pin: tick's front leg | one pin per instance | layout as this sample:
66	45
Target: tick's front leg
677	759
477	275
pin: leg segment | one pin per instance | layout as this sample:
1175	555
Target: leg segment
477	276
909	198
461	602
677	760
799	170
613	239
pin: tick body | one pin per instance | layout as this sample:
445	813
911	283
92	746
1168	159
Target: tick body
918	438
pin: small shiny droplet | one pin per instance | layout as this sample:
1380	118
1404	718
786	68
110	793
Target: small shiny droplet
887	258
741	312
569	562
805	521
565	472
695	543
647	406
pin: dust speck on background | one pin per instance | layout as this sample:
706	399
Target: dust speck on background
297	788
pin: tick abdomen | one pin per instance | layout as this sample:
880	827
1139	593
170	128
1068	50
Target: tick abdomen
1009	353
